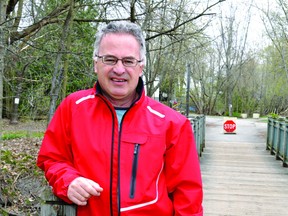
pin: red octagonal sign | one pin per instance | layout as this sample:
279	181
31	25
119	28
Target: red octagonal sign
229	126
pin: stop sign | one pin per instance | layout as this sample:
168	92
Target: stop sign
229	126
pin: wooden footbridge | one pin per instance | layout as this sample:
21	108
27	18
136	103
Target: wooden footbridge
240	174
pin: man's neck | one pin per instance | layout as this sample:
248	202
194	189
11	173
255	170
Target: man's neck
124	102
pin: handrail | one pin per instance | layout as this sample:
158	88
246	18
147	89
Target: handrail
198	125
53	206
277	139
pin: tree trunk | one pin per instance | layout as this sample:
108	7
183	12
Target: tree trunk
17	93
14	114
3	6
59	64
20	74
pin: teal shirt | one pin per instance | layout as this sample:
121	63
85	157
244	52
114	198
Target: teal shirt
120	113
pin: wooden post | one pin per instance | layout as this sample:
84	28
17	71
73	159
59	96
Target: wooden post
53	206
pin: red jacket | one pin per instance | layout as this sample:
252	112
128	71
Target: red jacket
146	165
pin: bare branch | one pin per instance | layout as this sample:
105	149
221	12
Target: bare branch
49	19
203	13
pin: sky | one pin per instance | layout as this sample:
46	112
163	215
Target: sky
256	33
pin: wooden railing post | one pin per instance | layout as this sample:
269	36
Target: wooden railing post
53	206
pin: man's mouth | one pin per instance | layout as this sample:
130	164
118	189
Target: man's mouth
118	80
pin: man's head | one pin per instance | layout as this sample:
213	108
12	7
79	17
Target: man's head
119	55
121	27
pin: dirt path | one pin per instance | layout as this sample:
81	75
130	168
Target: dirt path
22	126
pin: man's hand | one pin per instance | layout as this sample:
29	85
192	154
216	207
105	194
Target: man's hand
81	189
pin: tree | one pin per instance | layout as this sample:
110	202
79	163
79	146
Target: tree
37	42
274	82
11	33
275	23
275	57
169	39
248	90
231	47
3	47
60	69
33	38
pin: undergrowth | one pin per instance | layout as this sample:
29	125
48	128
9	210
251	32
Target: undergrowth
21	180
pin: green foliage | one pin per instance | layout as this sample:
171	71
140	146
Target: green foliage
21	134
6	157
31	64
12	136
275	77
234	114
273	115
17	162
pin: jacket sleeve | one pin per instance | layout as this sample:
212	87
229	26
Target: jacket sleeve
55	156
183	173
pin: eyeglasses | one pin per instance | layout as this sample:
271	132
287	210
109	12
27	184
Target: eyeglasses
126	61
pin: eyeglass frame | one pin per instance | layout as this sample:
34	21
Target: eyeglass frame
136	61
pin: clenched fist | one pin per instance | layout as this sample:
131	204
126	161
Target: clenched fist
81	189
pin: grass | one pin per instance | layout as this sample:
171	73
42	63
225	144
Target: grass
9	135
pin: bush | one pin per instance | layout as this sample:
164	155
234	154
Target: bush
273	115
234	114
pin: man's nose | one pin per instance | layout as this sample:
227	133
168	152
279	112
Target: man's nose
119	67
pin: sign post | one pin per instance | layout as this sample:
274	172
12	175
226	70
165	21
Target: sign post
229	125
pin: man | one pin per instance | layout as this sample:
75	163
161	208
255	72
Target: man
112	150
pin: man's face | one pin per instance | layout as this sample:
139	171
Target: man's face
118	81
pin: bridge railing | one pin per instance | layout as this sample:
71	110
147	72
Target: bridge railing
53	206
277	138
198	124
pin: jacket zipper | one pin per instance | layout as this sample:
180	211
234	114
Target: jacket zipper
134	170
111	160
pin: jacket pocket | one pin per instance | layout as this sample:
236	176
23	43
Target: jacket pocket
141	164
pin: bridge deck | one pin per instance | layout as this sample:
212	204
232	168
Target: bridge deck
239	176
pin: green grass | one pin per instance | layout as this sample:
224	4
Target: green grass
9	135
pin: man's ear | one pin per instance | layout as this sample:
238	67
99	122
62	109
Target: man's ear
142	68
95	66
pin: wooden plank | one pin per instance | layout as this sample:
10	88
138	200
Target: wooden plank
240	177
53	206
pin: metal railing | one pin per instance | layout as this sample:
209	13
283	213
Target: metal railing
198	125
277	139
